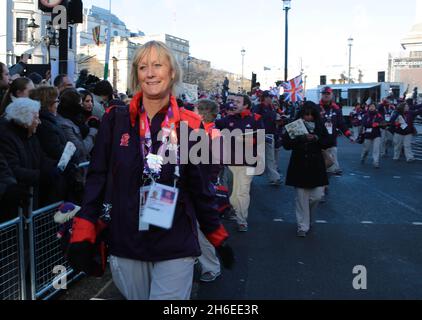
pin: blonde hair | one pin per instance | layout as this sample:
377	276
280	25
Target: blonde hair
163	50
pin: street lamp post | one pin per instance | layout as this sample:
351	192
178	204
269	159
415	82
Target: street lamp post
350	40
286	8
243	52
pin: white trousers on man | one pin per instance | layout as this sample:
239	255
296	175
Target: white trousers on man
271	161
208	260
386	136
306	202
166	280
240	198
403	142
356	132
334	154
375	144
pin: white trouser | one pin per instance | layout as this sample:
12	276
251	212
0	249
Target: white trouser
375	145
208	260
356	131
401	141
306	202
270	162
166	280
336	166
277	152
240	198
386	136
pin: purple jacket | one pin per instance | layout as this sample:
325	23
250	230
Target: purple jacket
333	115
114	178
371	125
242	122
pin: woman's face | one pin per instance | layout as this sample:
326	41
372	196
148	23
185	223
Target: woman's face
32	129
308	117
88	103
25	93
372	108
155	75
54	106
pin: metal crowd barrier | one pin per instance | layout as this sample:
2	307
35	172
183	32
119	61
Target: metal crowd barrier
12	261
40	249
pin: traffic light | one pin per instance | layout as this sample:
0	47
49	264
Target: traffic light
323	80
75	12
381	76
253	80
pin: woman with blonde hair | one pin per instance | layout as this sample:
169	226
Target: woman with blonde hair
149	261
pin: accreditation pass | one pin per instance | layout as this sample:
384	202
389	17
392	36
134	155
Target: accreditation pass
160	206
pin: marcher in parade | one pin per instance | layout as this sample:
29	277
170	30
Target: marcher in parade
269	117
307	171
386	109
404	130
371	126
241	118
356	117
148	262
333	120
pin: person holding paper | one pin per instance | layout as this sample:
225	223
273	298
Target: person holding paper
148	261
371	125
404	130
307	172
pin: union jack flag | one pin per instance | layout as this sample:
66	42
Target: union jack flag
293	89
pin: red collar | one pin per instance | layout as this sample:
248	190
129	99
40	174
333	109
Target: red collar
135	109
245	113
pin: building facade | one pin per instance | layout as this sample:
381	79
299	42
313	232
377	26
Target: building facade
16	38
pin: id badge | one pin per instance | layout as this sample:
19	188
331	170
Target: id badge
144	191
329	127
403	126
160	206
387	118
368	130
360	118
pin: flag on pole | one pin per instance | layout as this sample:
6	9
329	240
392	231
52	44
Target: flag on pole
96	33
293	89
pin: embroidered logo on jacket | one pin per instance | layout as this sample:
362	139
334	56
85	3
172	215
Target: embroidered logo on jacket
124	141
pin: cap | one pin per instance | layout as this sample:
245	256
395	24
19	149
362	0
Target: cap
326	90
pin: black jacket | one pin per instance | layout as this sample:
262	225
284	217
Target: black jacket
307	167
6	176
26	160
51	136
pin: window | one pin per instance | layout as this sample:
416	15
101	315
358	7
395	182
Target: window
21	30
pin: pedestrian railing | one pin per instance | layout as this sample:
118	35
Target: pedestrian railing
12	265
32	263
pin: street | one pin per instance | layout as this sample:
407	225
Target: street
372	218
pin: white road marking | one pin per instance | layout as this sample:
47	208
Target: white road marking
278	220
396	177
367	222
102	290
417	223
367	177
321	221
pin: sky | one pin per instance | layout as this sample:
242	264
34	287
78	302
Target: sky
318	31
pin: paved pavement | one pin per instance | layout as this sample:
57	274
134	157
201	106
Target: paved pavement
372	218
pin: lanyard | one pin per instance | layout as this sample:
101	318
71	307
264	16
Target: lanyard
153	163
